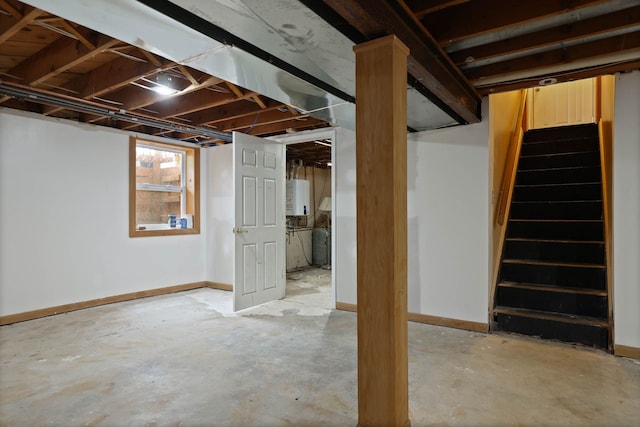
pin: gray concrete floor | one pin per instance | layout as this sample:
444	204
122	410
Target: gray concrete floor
186	360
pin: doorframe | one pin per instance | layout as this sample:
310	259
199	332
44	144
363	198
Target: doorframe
313	135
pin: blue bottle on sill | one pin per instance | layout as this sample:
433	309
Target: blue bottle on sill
172	220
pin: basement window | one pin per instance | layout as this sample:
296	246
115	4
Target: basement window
164	183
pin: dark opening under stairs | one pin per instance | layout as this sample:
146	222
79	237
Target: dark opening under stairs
552	281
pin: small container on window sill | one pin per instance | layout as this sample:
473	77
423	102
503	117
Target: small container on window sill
172	220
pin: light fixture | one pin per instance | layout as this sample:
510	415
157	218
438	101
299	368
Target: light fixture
164	85
325	205
548	81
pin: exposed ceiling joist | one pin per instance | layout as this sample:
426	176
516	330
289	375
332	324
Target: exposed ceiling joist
427	62
10	26
566	55
58	57
480	17
617	20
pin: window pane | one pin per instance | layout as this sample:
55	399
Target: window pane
154	207
158	167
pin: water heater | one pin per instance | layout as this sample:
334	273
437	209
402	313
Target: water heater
297	197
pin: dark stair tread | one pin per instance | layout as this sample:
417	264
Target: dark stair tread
559	289
562	139
553	263
563	184
527	239
557	317
558	201
559	168
570	153
555	220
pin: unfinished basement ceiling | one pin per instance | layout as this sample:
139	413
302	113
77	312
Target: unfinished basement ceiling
299	53
54	66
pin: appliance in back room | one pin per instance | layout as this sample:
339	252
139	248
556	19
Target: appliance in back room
297	197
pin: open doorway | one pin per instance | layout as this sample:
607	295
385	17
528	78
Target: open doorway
309	203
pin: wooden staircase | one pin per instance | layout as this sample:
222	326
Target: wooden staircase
552	280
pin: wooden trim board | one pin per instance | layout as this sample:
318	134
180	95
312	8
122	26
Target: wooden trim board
466	325
626	351
346	307
221	286
65	308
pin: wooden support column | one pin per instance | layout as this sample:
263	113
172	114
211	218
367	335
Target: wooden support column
381	177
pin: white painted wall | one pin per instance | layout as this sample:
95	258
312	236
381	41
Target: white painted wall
344	216
626	210
219	208
448	208
448	205
64	194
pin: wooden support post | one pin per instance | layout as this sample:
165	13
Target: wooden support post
381	177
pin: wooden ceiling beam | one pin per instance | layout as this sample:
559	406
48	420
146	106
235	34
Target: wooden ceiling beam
78	34
185	72
9	26
480	17
133	98
260	118
281	127
601	24
151	57
259	101
195	101
113	75
58	57
561	77
427	62
228	111
595	49
424	7
6	6
235	89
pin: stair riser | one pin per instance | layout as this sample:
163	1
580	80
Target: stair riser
580	231
559	161
558	192
566	146
591	253
583	334
552	275
556	302
557	210
559	176
560	133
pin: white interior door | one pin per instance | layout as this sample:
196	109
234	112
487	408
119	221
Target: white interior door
259	192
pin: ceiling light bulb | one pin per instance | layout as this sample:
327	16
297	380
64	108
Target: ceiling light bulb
164	85
163	90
